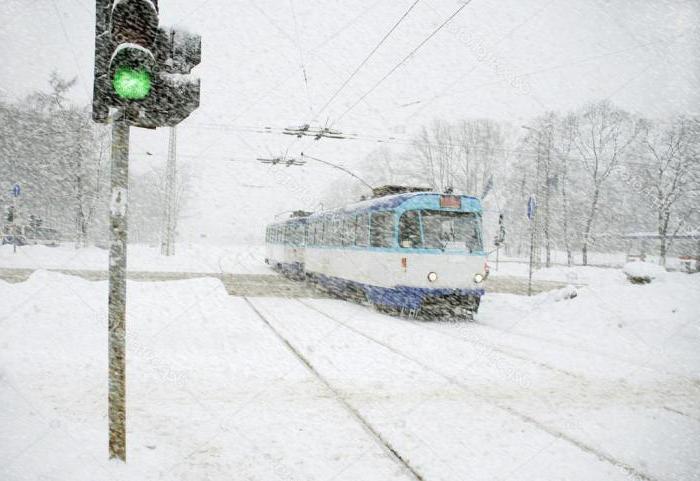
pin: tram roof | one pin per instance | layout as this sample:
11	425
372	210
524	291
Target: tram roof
386	203
392	202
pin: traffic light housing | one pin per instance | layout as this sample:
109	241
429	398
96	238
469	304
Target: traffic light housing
141	68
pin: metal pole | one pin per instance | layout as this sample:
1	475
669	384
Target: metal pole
532	253
168	244
117	286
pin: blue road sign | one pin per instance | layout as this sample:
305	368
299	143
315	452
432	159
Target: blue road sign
16	190
531	206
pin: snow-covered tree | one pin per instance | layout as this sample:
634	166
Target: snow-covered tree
604	135
672	177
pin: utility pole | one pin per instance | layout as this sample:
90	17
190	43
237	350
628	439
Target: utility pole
167	247
547	167
119	175
531	215
535	240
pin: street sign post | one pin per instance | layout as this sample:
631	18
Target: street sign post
16	192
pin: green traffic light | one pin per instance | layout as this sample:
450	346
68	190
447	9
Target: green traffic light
132	84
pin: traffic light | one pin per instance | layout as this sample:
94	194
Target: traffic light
10	214
141	68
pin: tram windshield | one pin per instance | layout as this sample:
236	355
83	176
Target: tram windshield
441	230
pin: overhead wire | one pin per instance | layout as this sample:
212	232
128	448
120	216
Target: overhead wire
403	60
369	55
301	56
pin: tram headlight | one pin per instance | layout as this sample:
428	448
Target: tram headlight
478	278
432	277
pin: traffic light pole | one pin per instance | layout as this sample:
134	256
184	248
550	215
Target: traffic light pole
168	243
119	175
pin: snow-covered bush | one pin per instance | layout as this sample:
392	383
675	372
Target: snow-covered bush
643	272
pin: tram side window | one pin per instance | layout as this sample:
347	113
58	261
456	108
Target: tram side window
299	234
409	230
382	229
349	231
328	239
330	232
327	231
362	230
342	234
338	232
292	234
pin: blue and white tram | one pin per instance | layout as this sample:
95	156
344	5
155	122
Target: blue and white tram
418	251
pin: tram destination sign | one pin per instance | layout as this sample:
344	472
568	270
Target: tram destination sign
450	202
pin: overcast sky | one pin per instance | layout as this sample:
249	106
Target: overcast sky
276	63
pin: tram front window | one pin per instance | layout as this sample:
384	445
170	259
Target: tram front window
450	230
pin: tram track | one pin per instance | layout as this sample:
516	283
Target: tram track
543	365
567	345
522	416
391	452
573	375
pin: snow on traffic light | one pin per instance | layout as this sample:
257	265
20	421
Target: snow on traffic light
141	68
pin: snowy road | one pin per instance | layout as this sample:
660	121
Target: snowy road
269	284
457	406
604	386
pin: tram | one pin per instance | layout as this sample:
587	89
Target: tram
413	252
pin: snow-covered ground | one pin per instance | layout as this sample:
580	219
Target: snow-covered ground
571	275
237	259
598	259
602	386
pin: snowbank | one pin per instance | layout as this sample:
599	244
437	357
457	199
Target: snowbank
237	259
211	393
612	316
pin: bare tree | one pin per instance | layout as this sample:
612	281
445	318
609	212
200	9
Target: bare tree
461	156
603	136
564	139
60	175
481	151
435	152
673	175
